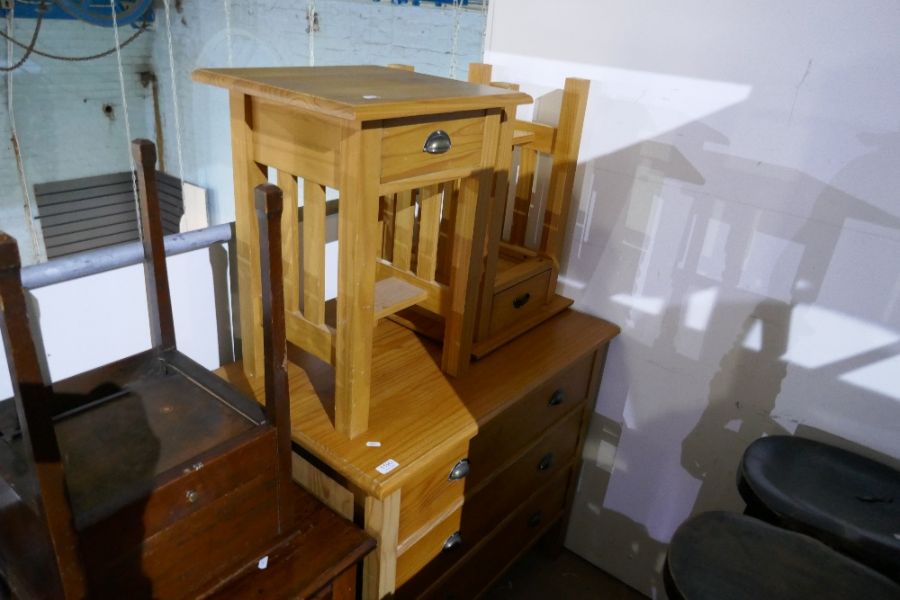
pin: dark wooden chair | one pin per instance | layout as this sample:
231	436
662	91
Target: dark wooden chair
150	476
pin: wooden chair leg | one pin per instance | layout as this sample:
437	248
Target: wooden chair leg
34	407
269	206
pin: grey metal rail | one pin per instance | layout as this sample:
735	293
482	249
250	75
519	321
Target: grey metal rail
100	260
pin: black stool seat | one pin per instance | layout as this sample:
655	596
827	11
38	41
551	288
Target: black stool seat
720	555
848	501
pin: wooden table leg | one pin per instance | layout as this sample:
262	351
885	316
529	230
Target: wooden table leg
357	244
247	175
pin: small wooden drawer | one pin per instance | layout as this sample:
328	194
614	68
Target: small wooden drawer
504	436
528	474
433	492
403	154
518	301
475	570
432	544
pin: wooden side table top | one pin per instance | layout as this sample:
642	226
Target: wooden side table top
360	93
417	412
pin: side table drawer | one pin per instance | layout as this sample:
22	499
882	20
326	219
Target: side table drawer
519	300
502	437
431	545
403	153
433	493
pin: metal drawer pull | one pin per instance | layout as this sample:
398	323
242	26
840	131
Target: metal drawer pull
459	470
522	300
546	462
453	541
437	142
535	519
558	397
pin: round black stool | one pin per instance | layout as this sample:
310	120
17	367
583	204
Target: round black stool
728	556
848	501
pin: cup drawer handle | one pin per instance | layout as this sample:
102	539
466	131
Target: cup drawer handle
546	462
437	142
459	470
535	519
558	397
453	541
522	300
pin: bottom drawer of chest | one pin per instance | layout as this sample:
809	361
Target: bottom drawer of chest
463	572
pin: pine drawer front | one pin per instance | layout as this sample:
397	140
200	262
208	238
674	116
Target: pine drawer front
506	434
477	569
404	143
524	477
434	492
519	301
437	541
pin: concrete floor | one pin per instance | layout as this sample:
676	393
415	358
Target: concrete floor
537	576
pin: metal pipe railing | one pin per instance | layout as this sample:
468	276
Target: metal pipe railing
105	259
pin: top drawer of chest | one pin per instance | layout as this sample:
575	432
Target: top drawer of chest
506	434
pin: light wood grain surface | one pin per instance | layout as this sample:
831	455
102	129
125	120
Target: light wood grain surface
417	412
360	92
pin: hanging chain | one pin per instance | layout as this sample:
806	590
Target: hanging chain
29	49
454	52
228	41
137	204
174	94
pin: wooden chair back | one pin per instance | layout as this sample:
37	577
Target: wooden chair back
532	141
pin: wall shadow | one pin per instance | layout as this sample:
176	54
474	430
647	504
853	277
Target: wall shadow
718	268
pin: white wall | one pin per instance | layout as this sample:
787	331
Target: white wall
737	214
58	109
438	41
92	321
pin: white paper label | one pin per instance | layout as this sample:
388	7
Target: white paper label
387	466
263	563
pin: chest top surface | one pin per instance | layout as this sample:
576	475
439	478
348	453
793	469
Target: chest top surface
360	93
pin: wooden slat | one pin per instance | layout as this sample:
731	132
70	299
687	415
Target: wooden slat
315	339
127	225
394	294
82	208
91	244
429	232
522	203
404	220
314	252
290	234
449	199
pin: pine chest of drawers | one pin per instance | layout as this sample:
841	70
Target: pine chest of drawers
456	477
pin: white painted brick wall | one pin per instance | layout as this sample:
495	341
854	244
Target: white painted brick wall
58	106
273	33
64	133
